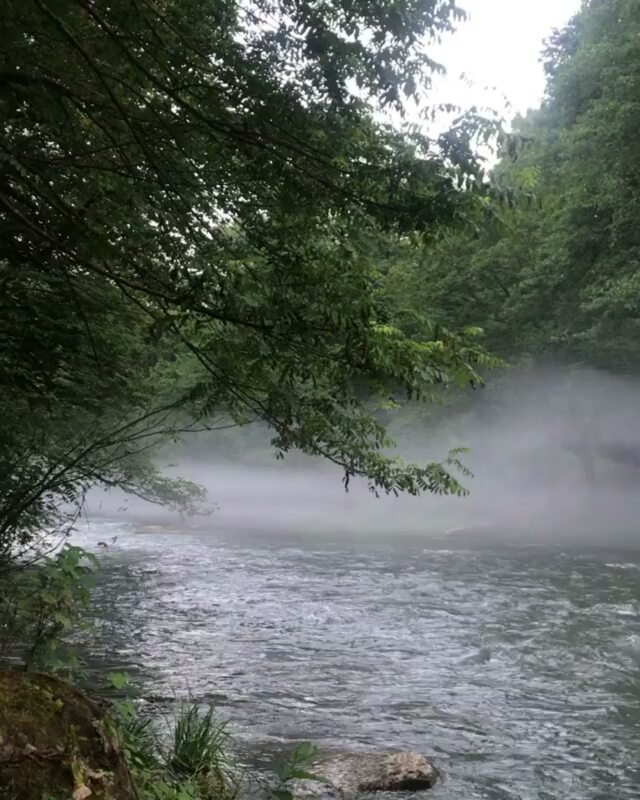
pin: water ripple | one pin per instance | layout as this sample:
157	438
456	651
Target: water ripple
518	670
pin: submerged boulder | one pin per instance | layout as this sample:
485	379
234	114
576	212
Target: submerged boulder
349	774
56	743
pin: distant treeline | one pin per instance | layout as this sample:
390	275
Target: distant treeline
556	273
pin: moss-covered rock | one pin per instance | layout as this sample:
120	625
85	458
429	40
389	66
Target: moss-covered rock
56	744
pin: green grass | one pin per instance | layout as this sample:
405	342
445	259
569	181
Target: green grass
191	763
140	743
199	744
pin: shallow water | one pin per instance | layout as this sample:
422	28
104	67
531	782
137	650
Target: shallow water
517	668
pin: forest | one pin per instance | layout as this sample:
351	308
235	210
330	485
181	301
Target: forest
219	214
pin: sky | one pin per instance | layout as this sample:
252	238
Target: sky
500	47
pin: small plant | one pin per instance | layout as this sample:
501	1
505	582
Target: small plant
41	604
137	737
295	767
160	790
199	744
135	733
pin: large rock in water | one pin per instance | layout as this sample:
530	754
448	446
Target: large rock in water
349	774
55	743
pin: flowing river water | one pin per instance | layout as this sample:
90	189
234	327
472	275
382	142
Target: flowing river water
517	668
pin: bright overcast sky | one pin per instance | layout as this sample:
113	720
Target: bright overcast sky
500	47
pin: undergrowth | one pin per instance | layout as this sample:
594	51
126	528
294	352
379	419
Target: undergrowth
192	763
195	760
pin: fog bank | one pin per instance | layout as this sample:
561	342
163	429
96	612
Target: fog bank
555	456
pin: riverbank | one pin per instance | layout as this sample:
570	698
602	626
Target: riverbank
56	743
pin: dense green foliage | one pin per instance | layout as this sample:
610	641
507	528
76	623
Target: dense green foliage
557	274
189	195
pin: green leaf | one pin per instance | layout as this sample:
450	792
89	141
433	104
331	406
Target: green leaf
118	680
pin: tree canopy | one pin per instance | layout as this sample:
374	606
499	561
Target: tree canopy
556	275
189	193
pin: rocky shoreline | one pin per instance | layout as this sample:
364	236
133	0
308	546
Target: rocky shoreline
55	741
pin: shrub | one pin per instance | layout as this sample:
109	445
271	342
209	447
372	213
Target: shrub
41	604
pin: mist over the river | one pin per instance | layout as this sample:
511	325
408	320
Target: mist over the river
555	456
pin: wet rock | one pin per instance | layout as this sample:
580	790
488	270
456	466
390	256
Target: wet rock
314	790
349	774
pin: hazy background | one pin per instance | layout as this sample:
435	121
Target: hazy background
555	454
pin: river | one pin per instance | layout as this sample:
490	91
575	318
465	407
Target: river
516	668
